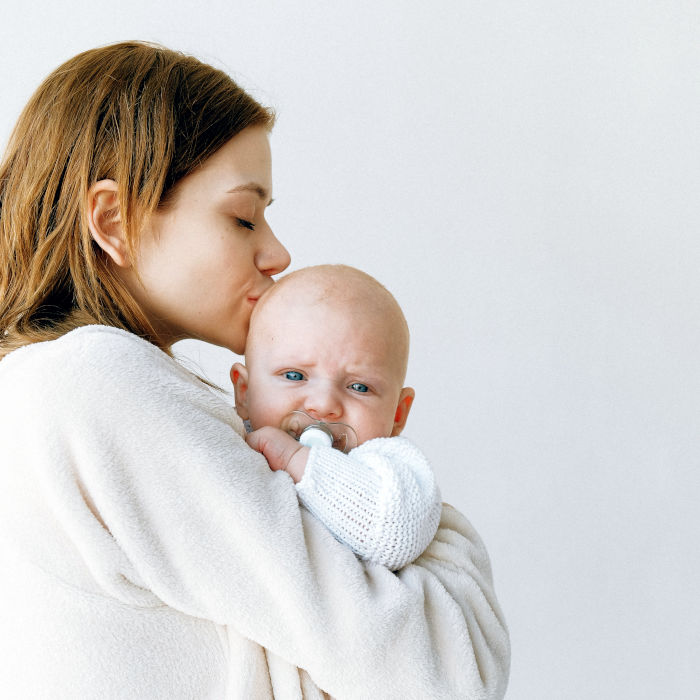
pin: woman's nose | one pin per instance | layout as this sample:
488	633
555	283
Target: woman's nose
272	257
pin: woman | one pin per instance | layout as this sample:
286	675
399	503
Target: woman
147	551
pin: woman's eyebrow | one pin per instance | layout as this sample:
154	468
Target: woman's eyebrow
253	187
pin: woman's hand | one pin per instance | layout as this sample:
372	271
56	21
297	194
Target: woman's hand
281	451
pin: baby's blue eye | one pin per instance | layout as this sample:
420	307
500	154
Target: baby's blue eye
293	376
361	388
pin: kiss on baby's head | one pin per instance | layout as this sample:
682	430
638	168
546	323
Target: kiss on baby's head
330	341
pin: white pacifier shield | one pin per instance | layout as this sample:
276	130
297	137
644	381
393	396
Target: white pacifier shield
315	436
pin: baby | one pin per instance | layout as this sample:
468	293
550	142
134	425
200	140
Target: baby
332	342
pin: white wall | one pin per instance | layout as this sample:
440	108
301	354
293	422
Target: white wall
525	177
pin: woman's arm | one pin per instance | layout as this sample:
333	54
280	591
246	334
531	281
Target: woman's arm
208	529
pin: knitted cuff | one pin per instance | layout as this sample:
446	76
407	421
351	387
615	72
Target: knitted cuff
344	494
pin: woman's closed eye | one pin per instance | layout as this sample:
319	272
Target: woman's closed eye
293	375
245	224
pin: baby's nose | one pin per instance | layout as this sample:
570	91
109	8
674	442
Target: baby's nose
324	405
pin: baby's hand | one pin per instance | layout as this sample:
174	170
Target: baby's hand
280	450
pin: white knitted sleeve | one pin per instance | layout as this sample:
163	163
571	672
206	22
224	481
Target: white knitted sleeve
381	499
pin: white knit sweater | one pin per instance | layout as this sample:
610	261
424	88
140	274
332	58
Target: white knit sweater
381	499
147	552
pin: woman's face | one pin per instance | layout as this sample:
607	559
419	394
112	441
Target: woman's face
204	260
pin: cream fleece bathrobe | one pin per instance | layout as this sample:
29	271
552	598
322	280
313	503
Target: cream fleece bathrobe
147	552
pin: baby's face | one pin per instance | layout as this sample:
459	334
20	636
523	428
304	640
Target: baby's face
334	364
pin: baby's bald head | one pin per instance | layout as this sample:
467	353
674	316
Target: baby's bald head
344	290
332	342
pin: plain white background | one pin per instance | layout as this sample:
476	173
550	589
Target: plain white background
525	177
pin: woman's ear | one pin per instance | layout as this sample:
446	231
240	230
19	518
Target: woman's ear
239	377
403	408
104	221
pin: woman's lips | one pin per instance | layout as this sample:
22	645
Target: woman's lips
254	297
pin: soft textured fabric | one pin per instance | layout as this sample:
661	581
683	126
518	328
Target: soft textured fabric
381	499
147	552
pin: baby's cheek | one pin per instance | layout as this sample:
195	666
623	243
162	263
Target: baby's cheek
262	415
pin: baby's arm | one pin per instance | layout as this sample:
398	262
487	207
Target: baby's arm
381	499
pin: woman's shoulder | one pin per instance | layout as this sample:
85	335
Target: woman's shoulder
101	359
104	347
81	344
68	344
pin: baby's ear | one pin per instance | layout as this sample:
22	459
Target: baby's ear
403	408
239	377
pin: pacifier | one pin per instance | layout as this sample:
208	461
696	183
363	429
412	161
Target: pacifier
309	432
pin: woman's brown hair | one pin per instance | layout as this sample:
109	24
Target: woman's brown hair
139	114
